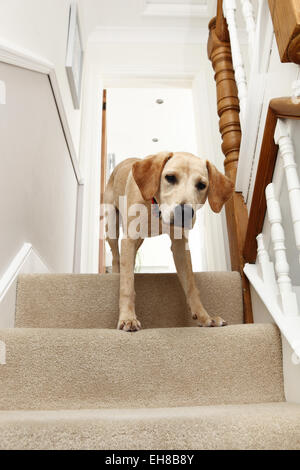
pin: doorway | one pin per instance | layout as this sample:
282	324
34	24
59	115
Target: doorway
144	121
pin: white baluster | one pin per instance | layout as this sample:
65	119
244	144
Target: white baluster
296	92
229	7
248	13
265	266
283	139
287	298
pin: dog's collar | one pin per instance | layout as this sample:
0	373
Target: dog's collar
156	210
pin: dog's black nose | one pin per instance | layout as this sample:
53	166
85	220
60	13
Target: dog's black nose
183	215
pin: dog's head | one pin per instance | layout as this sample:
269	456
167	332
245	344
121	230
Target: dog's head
181	183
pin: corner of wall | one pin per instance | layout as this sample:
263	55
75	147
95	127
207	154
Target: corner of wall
26	261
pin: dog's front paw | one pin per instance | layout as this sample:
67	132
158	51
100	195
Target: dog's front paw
204	320
218	321
129	325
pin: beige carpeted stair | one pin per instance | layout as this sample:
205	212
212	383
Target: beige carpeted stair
71	381
92	301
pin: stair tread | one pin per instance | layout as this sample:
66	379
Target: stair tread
92	301
248	426
64	368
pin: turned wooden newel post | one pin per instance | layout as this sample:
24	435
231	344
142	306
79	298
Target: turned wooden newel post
219	52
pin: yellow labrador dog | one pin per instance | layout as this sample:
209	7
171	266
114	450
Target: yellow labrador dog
167	189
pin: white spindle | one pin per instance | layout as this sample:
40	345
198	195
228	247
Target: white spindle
248	13
265	266
296	92
288	299
283	139
229	7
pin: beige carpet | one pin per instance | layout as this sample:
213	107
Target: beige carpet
73	382
92	301
261	426
58	369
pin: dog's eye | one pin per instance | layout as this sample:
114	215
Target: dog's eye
171	179
200	186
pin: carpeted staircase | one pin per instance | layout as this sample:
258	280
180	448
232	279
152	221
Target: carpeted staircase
71	381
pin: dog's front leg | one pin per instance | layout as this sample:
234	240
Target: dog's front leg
127	318
183	263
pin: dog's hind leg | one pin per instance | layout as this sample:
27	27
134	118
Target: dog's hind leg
183	263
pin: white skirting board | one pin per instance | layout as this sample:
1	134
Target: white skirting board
25	261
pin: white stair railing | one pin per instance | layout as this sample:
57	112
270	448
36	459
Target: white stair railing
287	154
276	291
265	266
248	14
287	298
229	9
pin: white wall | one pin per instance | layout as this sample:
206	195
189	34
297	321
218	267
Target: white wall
209	146
146	59
291	367
38	191
41	26
134	118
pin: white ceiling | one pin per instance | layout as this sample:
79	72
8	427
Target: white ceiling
185	2
99	14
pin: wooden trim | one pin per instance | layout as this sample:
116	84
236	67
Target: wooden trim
219	52
285	108
286	21
278	108
102	266
264	176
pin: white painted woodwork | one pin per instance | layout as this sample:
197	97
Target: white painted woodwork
255	115
291	372
229	7
248	13
287	153
287	299
265	266
296	91
26	260
289	327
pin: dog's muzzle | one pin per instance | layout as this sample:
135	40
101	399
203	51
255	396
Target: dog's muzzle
183	216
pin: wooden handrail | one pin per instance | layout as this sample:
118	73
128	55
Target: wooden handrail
286	21
283	108
221	25
219	52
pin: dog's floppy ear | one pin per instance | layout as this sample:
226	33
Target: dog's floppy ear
147	173
220	188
